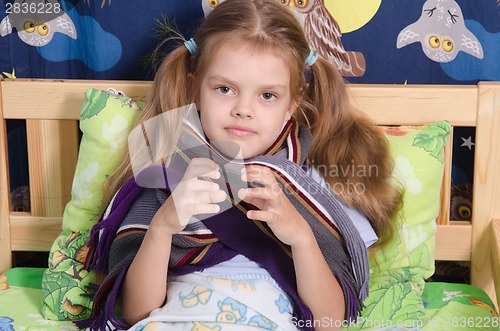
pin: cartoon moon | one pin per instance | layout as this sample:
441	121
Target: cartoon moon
352	14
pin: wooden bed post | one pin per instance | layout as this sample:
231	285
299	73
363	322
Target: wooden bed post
486	194
5	248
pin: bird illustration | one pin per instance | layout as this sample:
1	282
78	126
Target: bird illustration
37	27
322	32
441	31
484	305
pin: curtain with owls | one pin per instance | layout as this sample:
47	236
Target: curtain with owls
370	41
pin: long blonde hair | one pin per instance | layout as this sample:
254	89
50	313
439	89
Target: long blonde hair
345	141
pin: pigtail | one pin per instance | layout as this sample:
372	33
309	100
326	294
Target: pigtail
169	90
171	85
350	152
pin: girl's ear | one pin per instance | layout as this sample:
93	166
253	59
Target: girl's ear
293	107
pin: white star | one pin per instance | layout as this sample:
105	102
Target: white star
467	142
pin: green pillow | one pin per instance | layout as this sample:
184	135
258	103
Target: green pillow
105	121
399	270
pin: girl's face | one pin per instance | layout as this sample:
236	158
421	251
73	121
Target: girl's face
245	99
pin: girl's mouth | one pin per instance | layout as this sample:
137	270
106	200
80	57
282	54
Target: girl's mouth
240	131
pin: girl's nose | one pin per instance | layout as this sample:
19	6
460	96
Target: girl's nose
243	109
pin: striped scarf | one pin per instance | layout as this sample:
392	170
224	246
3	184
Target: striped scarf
116	238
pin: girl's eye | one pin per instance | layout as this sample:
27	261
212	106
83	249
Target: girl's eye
223	89
268	96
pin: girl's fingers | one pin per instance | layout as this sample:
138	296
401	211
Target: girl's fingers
261	215
218	196
261	197
257	202
258	174
197	196
202	167
200	185
204	208
201	171
196	209
264	193
263	176
210	197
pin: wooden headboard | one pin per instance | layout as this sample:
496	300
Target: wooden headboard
52	107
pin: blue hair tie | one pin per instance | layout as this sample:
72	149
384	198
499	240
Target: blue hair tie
311	58
191	46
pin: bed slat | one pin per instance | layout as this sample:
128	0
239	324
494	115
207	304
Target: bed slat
52	156
416	104
30	233
453	242
57	99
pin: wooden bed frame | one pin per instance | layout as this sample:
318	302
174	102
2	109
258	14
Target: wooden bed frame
52	107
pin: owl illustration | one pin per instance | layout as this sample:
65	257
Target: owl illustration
36	25
322	33
461	202
20	199
442	32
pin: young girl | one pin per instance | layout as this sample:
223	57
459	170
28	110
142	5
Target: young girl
285	257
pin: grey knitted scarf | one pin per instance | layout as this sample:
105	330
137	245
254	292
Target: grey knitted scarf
117	237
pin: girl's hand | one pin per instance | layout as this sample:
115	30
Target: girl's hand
192	196
275	208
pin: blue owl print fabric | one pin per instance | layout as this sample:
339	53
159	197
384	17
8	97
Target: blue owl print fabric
370	41
199	302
